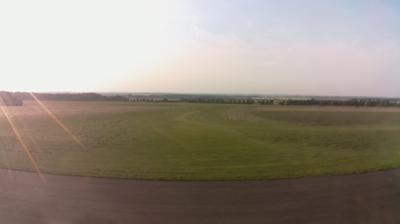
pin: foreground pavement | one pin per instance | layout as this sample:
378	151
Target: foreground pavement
365	198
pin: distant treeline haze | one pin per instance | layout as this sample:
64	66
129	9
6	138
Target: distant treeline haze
70	97
17	98
372	102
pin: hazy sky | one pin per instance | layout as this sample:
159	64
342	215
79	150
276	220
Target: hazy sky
336	47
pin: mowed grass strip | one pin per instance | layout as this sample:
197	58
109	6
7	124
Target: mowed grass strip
203	141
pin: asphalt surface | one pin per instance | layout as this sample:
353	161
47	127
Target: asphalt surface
364	198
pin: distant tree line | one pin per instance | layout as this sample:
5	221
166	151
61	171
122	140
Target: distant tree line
220	100
357	102
148	99
9	99
18	98
214	100
70	97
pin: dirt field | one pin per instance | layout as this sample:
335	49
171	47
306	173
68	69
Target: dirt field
354	199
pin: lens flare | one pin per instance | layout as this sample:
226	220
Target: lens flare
22	143
58	121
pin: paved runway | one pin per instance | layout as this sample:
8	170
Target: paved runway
365	198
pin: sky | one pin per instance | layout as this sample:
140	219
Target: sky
303	47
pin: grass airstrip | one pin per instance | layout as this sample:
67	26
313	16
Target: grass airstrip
182	141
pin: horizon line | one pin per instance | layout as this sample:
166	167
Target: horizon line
205	93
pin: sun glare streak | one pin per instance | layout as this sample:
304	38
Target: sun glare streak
23	145
58	121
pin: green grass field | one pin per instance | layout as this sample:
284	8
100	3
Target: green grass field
202	141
